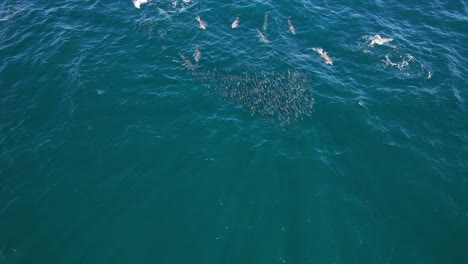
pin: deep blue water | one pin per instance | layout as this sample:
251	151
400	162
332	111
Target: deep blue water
113	149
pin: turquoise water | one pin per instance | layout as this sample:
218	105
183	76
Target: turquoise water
114	150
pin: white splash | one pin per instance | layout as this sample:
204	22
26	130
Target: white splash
408	66
401	65
138	3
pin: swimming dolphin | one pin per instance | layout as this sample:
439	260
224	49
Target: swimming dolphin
290	25
197	54
324	55
235	24
164	13
377	39
201	24
265	21
138	3
188	63
261	36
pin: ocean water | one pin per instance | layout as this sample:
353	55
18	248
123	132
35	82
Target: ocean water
116	146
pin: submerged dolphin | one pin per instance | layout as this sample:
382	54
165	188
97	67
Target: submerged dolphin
377	39
197	54
265	21
290	25
188	63
261	36
324	55
164	13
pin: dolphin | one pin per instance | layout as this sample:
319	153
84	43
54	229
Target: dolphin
201	24
164	13
188	63
324	55
261	36
265	21
290	25
197	54
235	24
377	39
